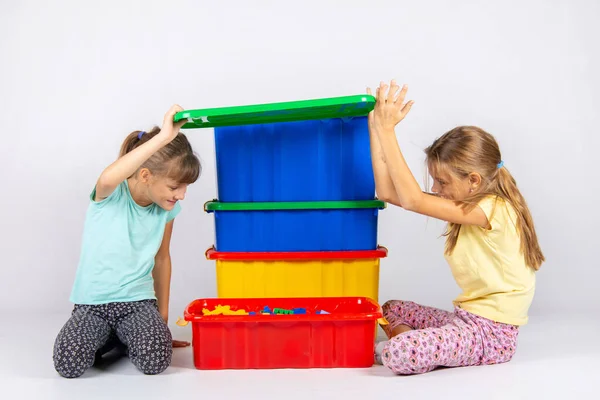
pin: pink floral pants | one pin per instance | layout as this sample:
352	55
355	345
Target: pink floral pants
443	339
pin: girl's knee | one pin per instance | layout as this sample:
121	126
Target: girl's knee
155	361
72	360
392	307
398	312
154	367
397	305
157	354
388	305
69	370
404	358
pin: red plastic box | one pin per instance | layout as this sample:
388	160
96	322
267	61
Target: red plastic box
344	338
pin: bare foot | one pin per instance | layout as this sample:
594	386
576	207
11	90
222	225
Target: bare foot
397	330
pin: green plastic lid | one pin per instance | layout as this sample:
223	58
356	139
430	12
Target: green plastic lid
334	107
215	205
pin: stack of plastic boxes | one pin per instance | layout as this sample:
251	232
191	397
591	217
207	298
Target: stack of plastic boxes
296	217
296	214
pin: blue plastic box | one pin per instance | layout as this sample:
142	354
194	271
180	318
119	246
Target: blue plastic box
317	160
314	226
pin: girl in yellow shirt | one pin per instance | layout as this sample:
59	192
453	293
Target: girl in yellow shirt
491	245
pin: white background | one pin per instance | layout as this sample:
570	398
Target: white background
76	77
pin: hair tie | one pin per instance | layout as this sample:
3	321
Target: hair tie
500	164
141	134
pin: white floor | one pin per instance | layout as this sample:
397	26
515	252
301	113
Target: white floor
555	357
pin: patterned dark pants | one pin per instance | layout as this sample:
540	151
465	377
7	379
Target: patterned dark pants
92	328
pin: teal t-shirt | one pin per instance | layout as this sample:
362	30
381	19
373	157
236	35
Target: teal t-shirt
120	241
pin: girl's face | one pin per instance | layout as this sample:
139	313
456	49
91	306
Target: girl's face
448	185
166	192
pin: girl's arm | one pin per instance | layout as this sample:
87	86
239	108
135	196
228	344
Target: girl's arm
388	112
162	278
162	273
383	183
125	166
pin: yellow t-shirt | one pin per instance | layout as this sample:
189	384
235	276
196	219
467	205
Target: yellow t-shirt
488	266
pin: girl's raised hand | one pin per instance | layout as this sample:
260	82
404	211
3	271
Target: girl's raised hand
169	128
390	107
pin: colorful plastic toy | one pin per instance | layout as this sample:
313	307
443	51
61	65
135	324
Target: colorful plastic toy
282	311
223	310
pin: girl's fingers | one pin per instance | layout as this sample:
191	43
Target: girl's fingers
393	90
407	107
383	91
180	343
402	95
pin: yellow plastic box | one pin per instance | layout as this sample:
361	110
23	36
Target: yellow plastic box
298	274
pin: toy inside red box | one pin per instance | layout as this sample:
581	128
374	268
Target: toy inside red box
332	332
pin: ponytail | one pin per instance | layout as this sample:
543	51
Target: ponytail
507	189
175	160
135	139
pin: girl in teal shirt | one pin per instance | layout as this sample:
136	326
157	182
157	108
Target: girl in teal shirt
121	288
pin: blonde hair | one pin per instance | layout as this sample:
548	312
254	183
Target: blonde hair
176	160
467	149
